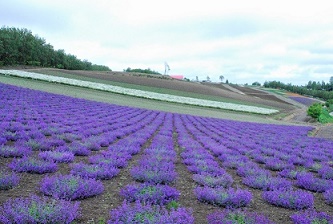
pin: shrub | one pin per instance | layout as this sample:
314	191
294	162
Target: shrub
290	173
70	187
328	195
36	209
94	171
32	165
36	145
157	175
13	151
57	156
309	182
8	180
228	198
326	172
266	182
209	180
77	149
252	170
139	213
155	194
293	199
311	217
237	216
315	110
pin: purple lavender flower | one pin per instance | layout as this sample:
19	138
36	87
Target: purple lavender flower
224	180
277	165
309	182
291	173
96	171
57	156
70	187
139	213
36	145
150	193
158	175
229	198
3	140
252	170
328	195
111	160
293	199
13	151
36	209
76	148
8	180
304	100
32	165
237	216
266	182
326	172
69	137
311	217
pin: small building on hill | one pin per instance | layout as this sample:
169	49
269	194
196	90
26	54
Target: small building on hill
177	76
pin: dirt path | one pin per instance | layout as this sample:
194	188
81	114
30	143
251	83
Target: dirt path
299	116
325	131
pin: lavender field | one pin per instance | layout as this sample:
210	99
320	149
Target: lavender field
68	160
304	100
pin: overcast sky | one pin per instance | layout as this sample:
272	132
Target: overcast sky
245	41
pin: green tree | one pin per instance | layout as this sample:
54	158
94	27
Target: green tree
315	110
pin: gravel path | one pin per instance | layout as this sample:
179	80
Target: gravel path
325	131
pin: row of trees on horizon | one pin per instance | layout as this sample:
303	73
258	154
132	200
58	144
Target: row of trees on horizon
316	89
21	47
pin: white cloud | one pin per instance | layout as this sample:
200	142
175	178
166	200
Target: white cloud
245	41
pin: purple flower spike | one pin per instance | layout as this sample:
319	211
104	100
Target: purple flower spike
328	195
309	182
57	156
13	151
155	194
8	180
208	180
293	199
70	187
36	209
94	171
237	216
229	198
265	182
32	165
139	213
311	217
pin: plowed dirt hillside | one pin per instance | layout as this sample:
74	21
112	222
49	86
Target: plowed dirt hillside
180	85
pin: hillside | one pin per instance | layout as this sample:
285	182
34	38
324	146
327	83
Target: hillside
164	84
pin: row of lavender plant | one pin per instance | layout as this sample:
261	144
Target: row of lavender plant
155	201
291	166
277	190
71	187
214	182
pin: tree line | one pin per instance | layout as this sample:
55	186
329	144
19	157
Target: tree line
21	47
139	70
316	89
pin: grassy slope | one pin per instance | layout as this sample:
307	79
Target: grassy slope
149	88
118	99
